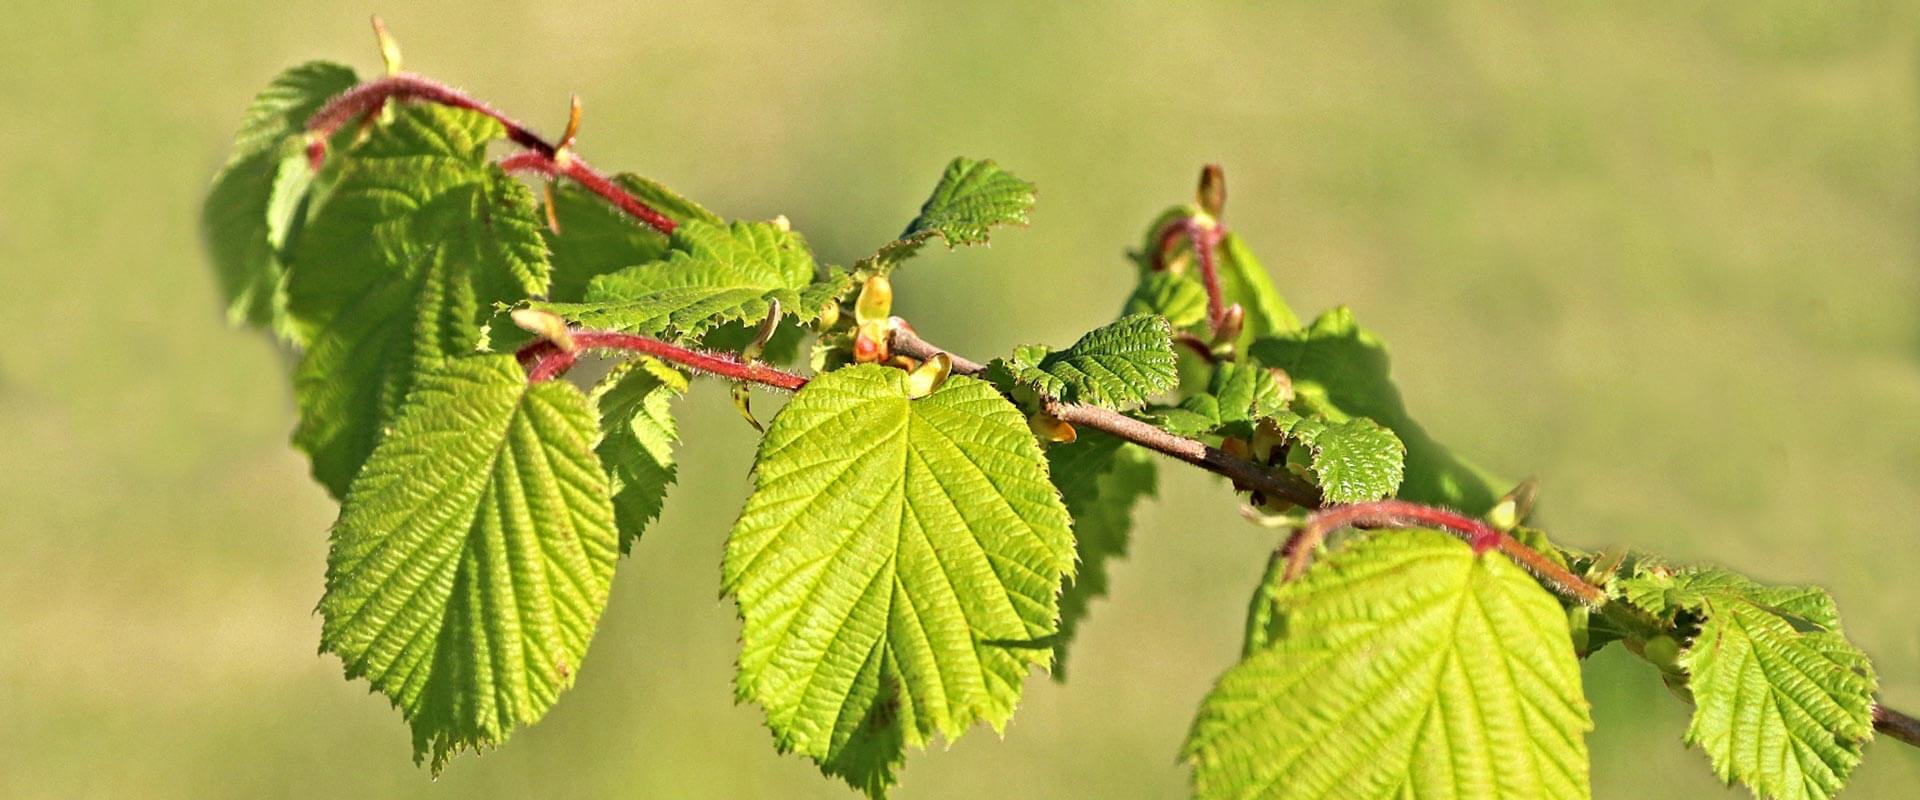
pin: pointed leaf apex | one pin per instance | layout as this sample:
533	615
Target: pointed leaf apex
389	46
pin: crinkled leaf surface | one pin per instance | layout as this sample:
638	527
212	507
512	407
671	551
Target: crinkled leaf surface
1352	461
596	238
895	568
1782	701
1236	393
264	179
1340	370
1115	366
472	556
1101	479
1404	667
971	199
715	274
637	437
418	239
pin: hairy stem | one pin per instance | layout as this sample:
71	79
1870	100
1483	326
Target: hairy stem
1402	514
1205	238
367	97
546	361
572	168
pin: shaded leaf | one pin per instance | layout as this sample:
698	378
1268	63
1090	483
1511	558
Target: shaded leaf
1339	370
249	210
1101	479
637	435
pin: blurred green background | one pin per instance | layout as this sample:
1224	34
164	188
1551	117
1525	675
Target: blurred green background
1664	256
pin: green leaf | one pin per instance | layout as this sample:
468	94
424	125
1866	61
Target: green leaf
1244	281
1101	479
716	274
1405	667
1782	701
637	434
596	238
1245	391
252	202
971	199
896	568
1179	298
1353	461
1117	366
1236	393
472	556
1339	370
419	238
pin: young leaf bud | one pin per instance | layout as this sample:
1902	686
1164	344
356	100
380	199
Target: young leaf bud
870	342
389	46
1266	437
929	377
875	303
546	325
743	403
1049	428
1514	507
767	327
1212	195
1227	328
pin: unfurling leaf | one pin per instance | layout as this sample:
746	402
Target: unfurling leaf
1401	666
1352	461
893	567
472	556
261	190
715	274
972	198
1782	701
1116	366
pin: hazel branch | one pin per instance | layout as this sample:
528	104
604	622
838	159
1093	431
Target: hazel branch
1202	455
1402	514
558	161
546	360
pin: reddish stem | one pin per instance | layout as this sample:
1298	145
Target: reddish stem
366	97
1196	344
549	361
360	100
1204	239
572	168
1402	514
1163	244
